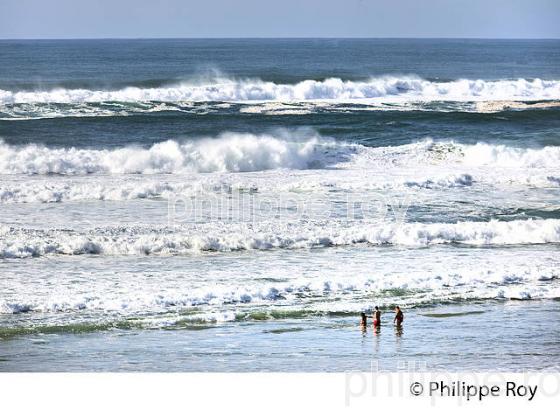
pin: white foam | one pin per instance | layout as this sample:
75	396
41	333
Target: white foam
429	152
220	237
504	156
512	282
451	181
229	152
495	106
404	88
238	152
50	192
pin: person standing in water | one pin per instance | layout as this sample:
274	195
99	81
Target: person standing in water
363	322
377	318
399	317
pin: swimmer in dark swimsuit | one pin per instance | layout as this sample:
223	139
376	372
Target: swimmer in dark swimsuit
399	317
363	322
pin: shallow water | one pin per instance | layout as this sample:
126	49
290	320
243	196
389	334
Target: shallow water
450	342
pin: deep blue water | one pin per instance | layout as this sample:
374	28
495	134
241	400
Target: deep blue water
32	64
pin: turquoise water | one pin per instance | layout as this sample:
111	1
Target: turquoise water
233	205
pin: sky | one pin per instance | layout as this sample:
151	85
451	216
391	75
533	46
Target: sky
279	18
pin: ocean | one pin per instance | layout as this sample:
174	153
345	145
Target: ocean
234	205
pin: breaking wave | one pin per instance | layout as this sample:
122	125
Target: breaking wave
230	152
403	88
219	237
245	152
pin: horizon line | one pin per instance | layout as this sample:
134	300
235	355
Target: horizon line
272	38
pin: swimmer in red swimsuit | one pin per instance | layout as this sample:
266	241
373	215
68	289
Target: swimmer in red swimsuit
377	320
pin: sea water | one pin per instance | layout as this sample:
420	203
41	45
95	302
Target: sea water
233	205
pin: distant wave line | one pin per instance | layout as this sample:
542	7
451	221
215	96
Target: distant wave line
403	88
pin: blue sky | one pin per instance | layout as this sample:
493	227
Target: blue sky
283	18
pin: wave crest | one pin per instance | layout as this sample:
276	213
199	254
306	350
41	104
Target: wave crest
230	152
407	88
